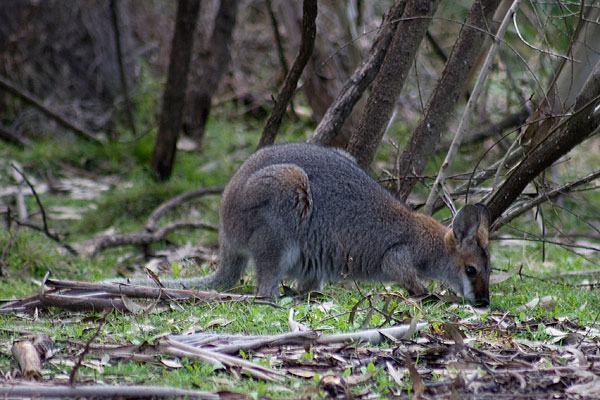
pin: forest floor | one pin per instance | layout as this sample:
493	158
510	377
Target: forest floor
538	339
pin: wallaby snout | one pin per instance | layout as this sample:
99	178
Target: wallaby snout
467	242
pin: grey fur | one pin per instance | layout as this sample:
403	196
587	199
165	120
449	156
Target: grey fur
312	214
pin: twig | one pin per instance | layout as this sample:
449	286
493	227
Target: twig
175	201
469	109
309	31
101	323
543	197
51	235
28	98
101	391
114	13
280	51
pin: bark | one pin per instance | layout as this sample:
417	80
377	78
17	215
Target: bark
390	80
212	65
174	94
421	145
309	31
582	124
353	89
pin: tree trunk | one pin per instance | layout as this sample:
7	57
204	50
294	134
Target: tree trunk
340	109
583	123
212	64
390	80
174	94
442	102
309	31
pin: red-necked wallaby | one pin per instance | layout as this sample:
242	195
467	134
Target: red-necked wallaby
312	214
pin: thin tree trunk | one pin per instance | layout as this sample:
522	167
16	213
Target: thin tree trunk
390	80
212	65
353	89
174	94
442	102
309	31
582	124
114	13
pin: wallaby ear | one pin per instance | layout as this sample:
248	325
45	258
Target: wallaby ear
465	224
484	227
485	213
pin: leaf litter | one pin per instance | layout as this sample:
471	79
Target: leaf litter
485	354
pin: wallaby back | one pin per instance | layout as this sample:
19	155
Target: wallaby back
311	213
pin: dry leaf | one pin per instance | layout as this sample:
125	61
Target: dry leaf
357	379
218	321
394	373
530	304
171	362
302	373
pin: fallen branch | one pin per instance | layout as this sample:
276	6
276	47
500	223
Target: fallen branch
101	391
177	200
99	243
75	295
235	343
30	99
180	349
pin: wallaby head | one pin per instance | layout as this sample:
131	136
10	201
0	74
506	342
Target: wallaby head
466	242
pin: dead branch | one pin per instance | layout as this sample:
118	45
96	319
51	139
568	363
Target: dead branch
336	114
234	343
76	295
309	31
175	201
214	358
543	197
45	228
101	391
456	141
99	243
86	349
390	80
33	101
28	358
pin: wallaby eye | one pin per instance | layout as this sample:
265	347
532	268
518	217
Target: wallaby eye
470	271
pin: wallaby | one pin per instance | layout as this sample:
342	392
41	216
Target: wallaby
311	213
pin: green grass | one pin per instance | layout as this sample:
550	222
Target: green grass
134	194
